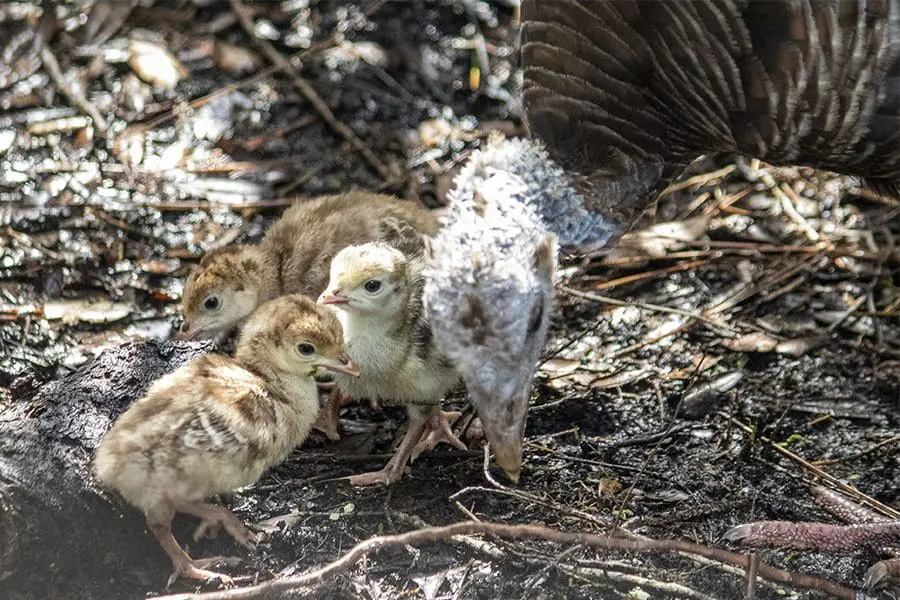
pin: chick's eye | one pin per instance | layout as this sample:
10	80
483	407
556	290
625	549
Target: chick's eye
372	286
211	303
305	349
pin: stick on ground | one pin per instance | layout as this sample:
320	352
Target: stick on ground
514	532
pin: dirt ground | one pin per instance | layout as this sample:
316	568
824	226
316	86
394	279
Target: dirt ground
758	340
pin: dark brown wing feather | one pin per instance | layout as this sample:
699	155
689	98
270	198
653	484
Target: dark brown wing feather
626	92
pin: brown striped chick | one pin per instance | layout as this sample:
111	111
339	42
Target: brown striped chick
292	258
217	423
377	290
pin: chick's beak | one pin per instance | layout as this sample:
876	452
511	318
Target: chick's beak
333	297
193	331
508	453
342	364
503	420
185	333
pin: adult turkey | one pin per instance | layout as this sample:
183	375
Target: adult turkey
622	95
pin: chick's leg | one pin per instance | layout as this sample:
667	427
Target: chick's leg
393	471
183	565
437	430
327	422
212	517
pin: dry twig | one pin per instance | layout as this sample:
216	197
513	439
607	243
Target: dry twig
51	65
645	306
310	93
514	532
256	77
849	489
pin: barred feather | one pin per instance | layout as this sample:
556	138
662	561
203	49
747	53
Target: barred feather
625	93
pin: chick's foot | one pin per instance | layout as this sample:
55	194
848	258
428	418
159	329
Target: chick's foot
207	529
437	430
816	536
885	569
213	516
867	530
183	565
329	415
393	471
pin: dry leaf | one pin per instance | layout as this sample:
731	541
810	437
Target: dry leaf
281	523
699	364
7	137
348	55
620	379
703	399
751	342
560	366
657	240
687	230
801	346
162	266
155	64
433	132
236	60
607	487
128	146
579	378
172	157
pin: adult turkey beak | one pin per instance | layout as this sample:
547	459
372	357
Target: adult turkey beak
503	419
342	364
333	297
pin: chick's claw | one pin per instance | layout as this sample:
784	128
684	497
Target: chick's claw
214	516
386	476
396	467
330	413
885	569
327	423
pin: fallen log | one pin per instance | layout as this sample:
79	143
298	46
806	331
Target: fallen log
61	536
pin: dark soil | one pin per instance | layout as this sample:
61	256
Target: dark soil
628	425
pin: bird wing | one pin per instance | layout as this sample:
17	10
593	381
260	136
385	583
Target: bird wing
629	84
233	413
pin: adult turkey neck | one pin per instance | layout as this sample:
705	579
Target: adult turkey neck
595	206
585	212
606	141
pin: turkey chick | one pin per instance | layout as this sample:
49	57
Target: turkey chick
292	258
377	290
217	423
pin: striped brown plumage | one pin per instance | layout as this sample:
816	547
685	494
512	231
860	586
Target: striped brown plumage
626	92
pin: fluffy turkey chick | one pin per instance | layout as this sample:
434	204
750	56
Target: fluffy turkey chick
489	283
293	257
377	290
217	423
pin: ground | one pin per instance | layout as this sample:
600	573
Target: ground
761	318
